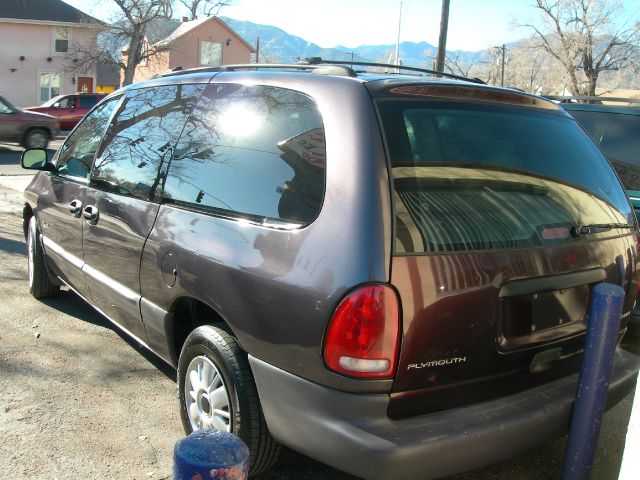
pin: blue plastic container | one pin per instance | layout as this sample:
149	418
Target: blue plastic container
210	455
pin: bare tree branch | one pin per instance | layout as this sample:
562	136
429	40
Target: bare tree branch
581	36
206	8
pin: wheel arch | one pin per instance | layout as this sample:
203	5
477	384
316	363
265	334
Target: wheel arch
27	213
187	314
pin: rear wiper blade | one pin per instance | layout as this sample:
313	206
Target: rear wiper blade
579	230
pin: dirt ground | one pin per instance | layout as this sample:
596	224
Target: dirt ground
78	400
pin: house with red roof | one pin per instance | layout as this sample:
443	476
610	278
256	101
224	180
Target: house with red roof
206	42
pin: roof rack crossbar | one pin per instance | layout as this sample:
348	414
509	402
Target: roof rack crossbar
258	66
320	61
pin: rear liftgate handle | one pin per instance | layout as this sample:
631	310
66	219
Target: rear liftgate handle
75	208
90	213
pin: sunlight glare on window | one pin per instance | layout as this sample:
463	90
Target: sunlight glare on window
240	121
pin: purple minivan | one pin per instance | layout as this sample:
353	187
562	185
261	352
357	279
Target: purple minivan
387	272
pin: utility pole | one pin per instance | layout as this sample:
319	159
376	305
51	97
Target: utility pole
442	41
257	49
502	69
398	41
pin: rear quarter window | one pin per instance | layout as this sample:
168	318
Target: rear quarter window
256	152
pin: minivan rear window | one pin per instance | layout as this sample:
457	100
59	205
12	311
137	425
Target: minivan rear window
480	176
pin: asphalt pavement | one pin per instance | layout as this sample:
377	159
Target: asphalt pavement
80	400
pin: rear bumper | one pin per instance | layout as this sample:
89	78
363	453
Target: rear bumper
352	432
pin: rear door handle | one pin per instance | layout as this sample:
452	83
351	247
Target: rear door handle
75	208
90	213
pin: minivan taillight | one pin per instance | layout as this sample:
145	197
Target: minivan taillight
363	333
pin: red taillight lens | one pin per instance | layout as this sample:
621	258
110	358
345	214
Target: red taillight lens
363	334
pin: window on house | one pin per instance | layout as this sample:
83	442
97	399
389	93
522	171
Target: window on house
49	85
61	37
210	53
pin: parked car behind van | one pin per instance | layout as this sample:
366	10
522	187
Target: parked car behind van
31	130
389	273
69	109
616	130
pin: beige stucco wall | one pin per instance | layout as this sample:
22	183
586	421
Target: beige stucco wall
34	42
185	51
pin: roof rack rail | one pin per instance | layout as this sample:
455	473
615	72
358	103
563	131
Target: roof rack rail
341	70
320	61
590	99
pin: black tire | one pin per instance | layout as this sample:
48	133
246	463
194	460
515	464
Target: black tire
40	284
36	138
245	417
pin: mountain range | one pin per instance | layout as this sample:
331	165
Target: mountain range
276	46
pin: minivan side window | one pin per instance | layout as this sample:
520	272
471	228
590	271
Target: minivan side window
77	153
140	139
252	151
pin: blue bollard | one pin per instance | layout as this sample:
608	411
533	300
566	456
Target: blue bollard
210	455
593	383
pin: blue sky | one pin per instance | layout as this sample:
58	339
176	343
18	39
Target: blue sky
473	24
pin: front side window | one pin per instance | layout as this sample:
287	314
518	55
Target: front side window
476	177
618	136
61	39
210	54
67	102
77	153
140	139
256	152
49	85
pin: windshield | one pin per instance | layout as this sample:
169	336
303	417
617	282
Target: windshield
475	177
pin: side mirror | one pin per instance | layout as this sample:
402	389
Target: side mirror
56	105
35	159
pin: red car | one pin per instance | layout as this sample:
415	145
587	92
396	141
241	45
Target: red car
69	109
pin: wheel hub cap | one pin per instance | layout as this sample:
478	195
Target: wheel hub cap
206	396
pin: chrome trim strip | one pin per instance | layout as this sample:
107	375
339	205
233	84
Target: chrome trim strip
153	308
61	252
134	337
125	292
